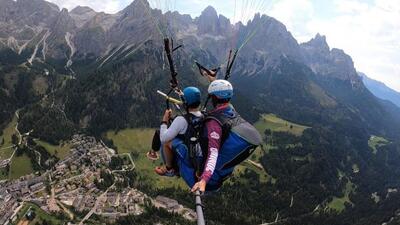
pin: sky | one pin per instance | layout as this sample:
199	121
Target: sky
367	30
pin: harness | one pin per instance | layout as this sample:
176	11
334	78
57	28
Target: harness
196	139
192	138
230	121
226	118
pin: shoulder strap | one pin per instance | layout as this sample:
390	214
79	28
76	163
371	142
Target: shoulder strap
224	122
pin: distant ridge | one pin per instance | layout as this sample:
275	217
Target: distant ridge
380	90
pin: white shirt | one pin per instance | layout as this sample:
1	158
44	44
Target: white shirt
178	126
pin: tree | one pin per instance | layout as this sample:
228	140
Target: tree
107	179
19	151
116	163
7	168
14	139
46	222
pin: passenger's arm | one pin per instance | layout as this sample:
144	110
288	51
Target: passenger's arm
169	133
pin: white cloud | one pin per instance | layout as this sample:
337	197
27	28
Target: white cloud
350	6
109	6
294	14
370	34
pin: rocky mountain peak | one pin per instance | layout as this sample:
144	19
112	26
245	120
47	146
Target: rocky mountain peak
333	63
342	59
63	23
36	4
318	42
81	10
209	22
209	12
316	53
275	38
64	12
28	12
82	15
137	8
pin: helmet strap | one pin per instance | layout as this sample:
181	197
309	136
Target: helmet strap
217	102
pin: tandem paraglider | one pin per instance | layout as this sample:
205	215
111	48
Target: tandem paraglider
207	139
202	146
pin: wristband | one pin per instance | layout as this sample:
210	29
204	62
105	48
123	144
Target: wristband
164	122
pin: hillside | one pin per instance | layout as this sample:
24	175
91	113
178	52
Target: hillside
380	90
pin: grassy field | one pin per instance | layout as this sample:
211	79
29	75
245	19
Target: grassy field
60	151
319	94
138	141
375	142
262	174
3	174
20	166
40	215
276	124
338	204
5	151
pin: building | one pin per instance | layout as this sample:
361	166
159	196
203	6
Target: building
24	191
37	186
166	203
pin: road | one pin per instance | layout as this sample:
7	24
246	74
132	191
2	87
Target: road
70	214
52	204
130	159
112	151
5	162
73	178
12	146
96	205
258	165
16	128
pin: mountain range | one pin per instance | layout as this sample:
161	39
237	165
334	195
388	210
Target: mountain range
85	71
380	90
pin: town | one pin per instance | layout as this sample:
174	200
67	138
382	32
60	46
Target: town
84	184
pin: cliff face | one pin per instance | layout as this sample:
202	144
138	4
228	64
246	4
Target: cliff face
96	36
333	63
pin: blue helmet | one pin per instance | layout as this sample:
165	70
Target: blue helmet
192	96
222	89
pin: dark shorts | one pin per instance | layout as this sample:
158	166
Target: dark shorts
184	164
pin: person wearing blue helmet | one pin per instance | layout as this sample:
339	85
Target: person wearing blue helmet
173	135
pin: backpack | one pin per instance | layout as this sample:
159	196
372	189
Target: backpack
192	139
239	140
